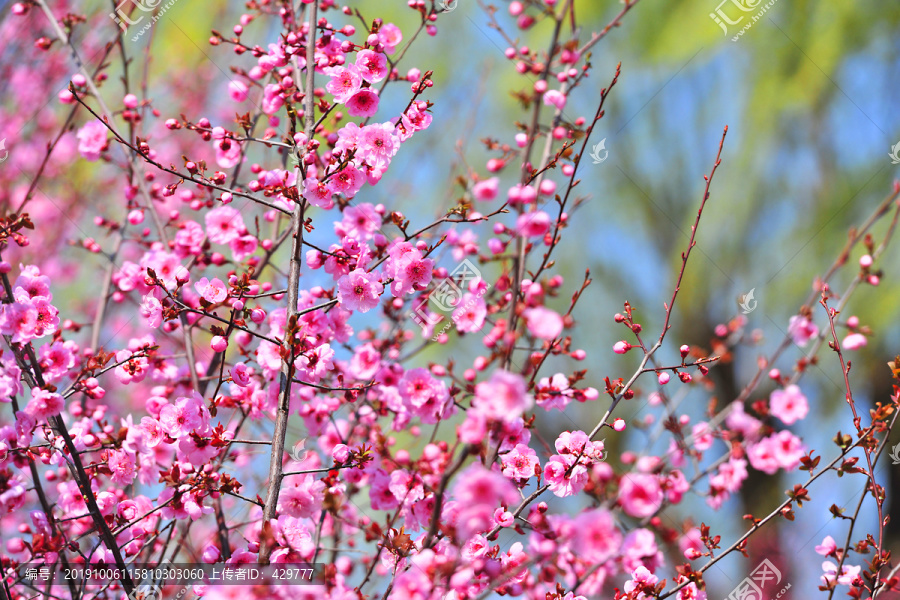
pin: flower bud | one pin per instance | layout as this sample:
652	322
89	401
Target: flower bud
622	347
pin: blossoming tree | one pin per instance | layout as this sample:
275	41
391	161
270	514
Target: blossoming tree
156	423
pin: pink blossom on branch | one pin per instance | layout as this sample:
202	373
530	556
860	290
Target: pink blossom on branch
212	291
503	398
44	404
221	378
789	404
854	341
92	140
359	291
543	323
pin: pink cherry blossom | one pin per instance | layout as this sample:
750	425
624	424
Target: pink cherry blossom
161	294
470	314
424	396
122	467
359	290
18	320
347	181
640	550
802	329
410	272
10	378
318	193
621	347
789	404
782	450
241	374
92	140
478	486
640	494
596	536
314	364
854	341
272	99
132	368
828	546
739	421
642	583
186	415
703	436
519	464
788	449
238	90
504	397
212	291
228	153
167	266
543	323
553	392
218	343
378	143
486	190
46	317
224	224
565	475
360	221
555	98
345	81
390	35
152	309
730	475
242	247
56	359
31	284
533	224
521	194
372	66
153	431
363	103
846	577
762	456
44	404
416	118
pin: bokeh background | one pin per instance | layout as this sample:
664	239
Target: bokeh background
810	97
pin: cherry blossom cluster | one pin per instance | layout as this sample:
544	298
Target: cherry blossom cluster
265	370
